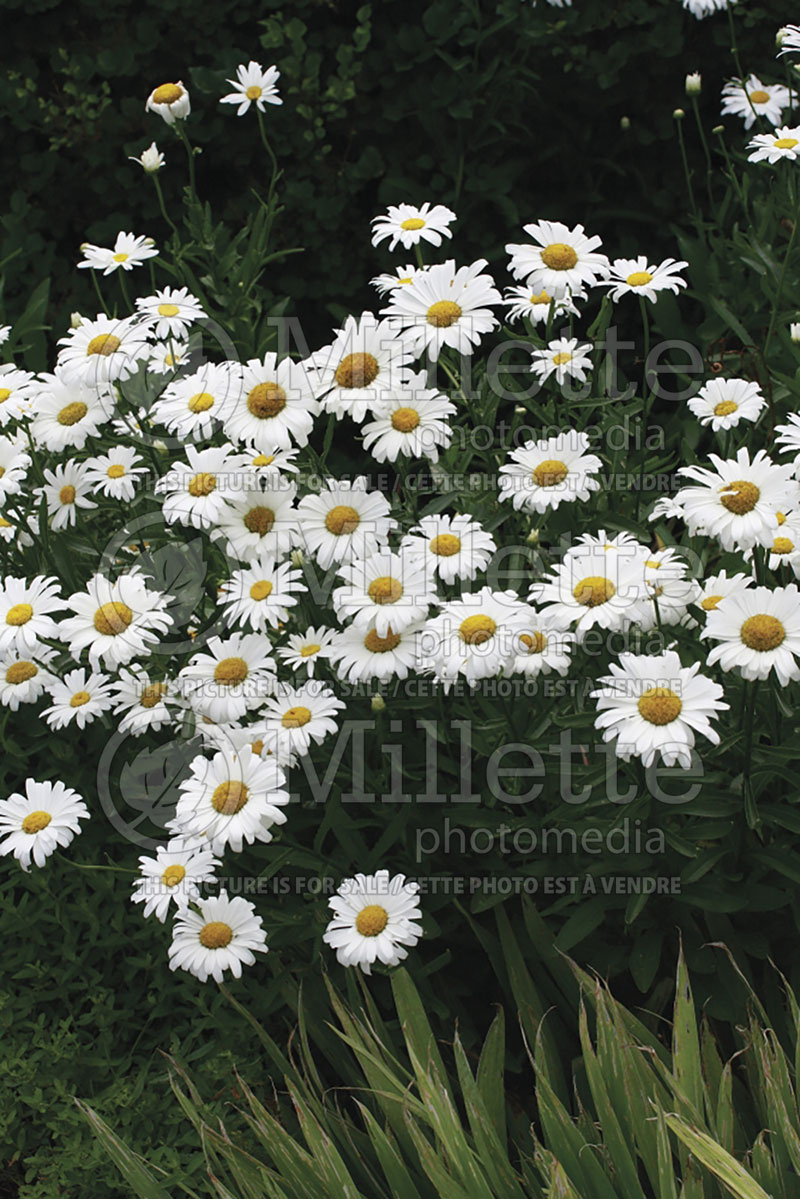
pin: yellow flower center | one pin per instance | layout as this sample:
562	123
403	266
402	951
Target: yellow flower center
593	591
781	517
257	747
173	875
406	279
536	642
357	370
443	314
229	798
20	672
725	408
295	718
762	632
201	402
104	344
405	420
739	497
152	695
168	310
19	614
202	484
445	545
261	590
67	494
266	400
659	705
263	459
259	520
79	699
111	619
372	920
167	93
477	629
550	472
5	392
253	92
782	545
559	256
230	672
759	97
561	358
121	257
4	524
308	651
710	602
413	222
216	935
639	279
385	590
72	413
785	143
342	520
381	645
34	822
542	298
116	470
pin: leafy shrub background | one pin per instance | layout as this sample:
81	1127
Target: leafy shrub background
507	113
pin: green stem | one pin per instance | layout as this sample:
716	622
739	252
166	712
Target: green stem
163	207
181	132
751	812
779	289
688	175
99	293
275	172
126	299
647	396
706	150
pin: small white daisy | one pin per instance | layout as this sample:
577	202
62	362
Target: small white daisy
193	405
66	489
403	276
758	631
265	523
261	595
78	699
102	350
225	934
592	586
386	590
171	101
367	361
544	474
196	490
668	591
17	388
635	276
565	357
409	225
455	547
344	521
127	252
542	648
34	825
751	99
789	438
717	587
445	307
25	612
174	875
784	548
170	312
233	676
231	799
772	147
374	918
722	403
116	473
538	305
294	717
14	464
360	656
560	260
23	679
476	636
253	85
303	651
167	357
66	411
412	423
142	701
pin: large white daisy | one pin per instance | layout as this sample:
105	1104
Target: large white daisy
26	608
757	631
636	276
260	595
34	825
231	799
276	405
294	717
386	590
265	522
412	423
233	676
476	636
194	405
115	621
375	917
225	934
559	260
454	547
344	521
174	875
367	361
446	307
543	474
723	403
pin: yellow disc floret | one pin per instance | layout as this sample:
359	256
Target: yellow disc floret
659	705
762	632
372	920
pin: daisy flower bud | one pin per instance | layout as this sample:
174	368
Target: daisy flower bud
170	101
625	123
679	114
694	84
75	320
151	159
378	703
794	331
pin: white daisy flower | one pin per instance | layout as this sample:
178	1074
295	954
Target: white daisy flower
784	548
737	501
142	701
14	464
167	357
635	276
264	523
34	825
78	699
667	589
294	717
17	388
225	935
476	636
5	332
454	547
758	631
260	595
751	99
592	587
150	160
542	648
412	423
717	587
25	612
445	307
23	679
170	312
128	251
367	361
171	101
174	875
722	403
231	799
652	707
360	656
789	438
565	357
191	406
788	39
116	473
276	460
385	591
196	491
232	677
772	147
344	521
115	621
66	489
66	411
409	225
303	651
275	406
403	276
374	918
253	85
537	305
705	8
544	474
106	349
560	260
